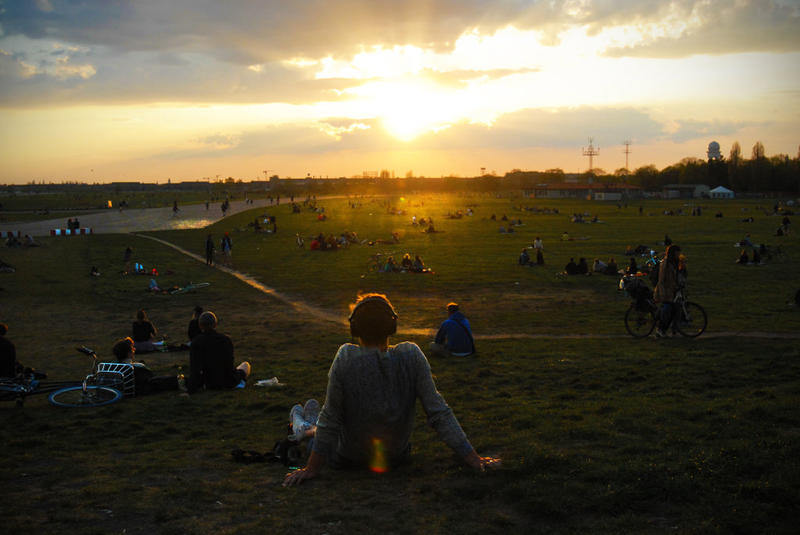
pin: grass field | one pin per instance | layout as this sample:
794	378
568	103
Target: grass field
600	433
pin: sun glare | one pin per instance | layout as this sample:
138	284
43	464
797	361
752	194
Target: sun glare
408	109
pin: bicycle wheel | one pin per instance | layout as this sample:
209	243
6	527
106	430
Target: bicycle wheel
639	323
692	320
74	396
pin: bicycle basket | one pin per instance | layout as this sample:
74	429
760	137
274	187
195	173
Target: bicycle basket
637	289
116	375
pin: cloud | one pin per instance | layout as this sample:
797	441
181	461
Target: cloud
560	128
715	27
250	33
565	128
54	74
688	129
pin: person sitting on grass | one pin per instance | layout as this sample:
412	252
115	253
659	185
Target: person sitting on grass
143	333
9	366
454	338
612	268
146	381
406	263
599	266
524	257
211	359
743	258
418	266
369	409
583	267
390	266
632	267
571	268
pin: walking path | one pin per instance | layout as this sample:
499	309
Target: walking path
327	316
113	221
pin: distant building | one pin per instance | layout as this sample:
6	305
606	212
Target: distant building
685	191
713	152
721	192
596	191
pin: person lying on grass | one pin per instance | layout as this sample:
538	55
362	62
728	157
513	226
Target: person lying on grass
368	415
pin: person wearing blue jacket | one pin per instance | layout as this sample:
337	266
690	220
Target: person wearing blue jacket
455	335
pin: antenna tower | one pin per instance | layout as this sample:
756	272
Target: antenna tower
627	151
591	152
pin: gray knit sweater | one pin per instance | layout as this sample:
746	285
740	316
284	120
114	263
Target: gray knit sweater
370	403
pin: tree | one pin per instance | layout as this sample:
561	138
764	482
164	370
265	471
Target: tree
758	150
736	154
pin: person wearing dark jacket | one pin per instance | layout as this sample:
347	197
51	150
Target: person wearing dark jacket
455	335
211	359
9	367
194	326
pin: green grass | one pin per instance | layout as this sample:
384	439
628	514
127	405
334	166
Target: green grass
599	434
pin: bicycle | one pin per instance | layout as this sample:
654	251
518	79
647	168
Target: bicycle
688	318
189	287
107	383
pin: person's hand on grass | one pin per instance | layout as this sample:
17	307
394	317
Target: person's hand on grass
298	476
482	463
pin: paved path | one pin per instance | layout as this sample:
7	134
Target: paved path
113	221
327	316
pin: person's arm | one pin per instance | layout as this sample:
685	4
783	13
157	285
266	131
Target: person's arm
441	418
311	470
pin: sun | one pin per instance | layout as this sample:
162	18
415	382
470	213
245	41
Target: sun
408	109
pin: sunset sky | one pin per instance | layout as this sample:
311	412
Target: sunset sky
150	90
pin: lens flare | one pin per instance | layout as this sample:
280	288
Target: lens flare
378	462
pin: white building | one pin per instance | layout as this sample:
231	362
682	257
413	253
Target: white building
721	192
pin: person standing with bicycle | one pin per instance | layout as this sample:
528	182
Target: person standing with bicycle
666	288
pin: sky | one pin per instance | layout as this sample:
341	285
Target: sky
147	90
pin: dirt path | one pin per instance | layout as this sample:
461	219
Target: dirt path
327	316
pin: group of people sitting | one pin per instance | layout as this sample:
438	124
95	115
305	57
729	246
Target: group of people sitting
754	259
607	268
581	268
210	357
369	410
406	265
525	258
584	218
27	241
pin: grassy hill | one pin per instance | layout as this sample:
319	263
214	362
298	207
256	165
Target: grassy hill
599	432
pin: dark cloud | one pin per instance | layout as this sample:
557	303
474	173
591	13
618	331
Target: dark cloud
246	32
198	50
